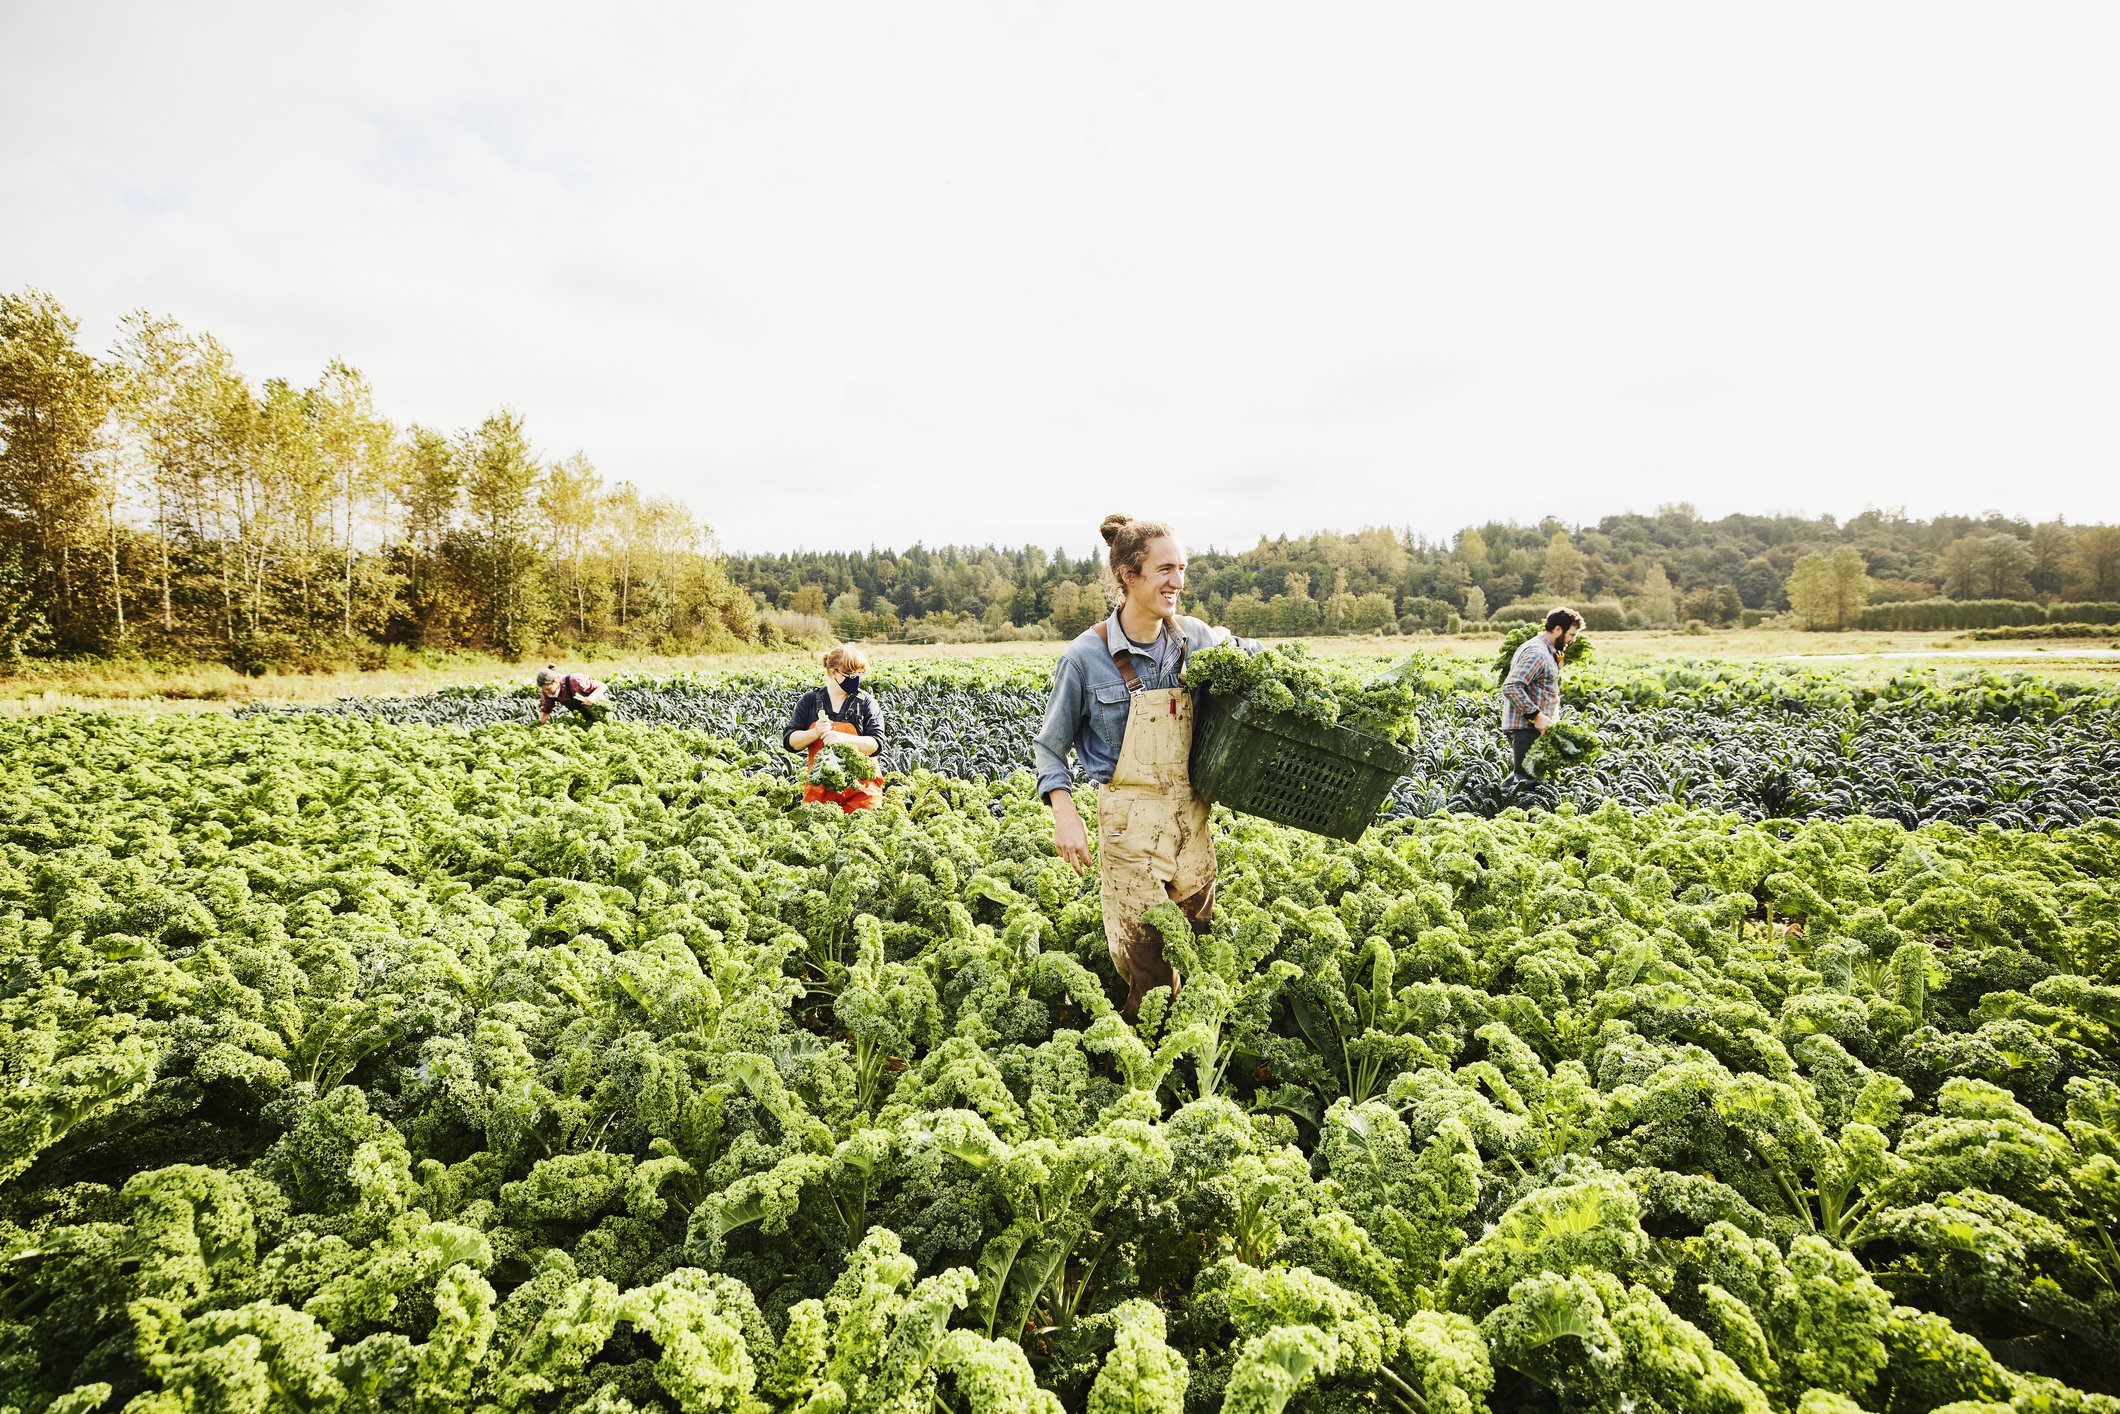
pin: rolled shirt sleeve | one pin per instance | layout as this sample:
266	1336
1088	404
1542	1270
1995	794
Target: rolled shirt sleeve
1056	733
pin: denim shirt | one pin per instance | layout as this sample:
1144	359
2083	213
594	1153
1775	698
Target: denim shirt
1088	706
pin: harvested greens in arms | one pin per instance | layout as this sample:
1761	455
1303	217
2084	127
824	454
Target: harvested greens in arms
1577	653
1287	679
838	766
1563	745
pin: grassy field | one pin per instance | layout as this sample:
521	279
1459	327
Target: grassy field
211	687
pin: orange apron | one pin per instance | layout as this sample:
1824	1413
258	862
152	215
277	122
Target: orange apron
862	795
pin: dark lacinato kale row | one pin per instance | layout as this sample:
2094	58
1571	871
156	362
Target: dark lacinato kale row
1915	767
968	732
1918	758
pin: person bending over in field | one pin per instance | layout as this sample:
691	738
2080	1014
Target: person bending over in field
842	710
1531	693
1119	702
588	699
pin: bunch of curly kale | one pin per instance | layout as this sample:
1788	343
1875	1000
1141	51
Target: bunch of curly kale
838	766
1287	679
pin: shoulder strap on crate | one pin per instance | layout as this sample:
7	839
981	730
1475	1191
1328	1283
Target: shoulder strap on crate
1120	660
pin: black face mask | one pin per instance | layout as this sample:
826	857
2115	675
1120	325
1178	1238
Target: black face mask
852	684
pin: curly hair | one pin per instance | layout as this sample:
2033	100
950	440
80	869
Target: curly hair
845	659
1129	540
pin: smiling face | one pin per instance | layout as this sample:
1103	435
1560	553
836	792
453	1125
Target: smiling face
1154	590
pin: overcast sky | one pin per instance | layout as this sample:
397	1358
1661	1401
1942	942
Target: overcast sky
843	274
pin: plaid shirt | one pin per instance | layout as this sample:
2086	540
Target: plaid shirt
575	688
1533	685
572	691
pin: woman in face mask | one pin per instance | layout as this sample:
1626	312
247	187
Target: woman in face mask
843	711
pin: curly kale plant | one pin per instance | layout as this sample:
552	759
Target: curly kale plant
356	1066
1578	653
839	766
1562	746
1287	679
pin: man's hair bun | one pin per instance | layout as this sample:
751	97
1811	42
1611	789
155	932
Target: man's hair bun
1129	540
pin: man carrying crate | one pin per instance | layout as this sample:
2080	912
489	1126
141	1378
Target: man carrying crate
1531	691
1119	702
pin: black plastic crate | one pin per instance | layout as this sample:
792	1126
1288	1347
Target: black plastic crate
1327	780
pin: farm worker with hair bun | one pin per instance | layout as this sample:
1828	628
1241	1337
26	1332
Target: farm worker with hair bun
842	709
589	699
1119	702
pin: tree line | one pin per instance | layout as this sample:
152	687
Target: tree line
1663	570
156	502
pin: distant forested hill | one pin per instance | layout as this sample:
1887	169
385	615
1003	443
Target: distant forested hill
1660	569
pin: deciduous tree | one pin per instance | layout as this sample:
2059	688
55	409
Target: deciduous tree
53	400
572	502
1562	573
355	442
1992	566
1828	591
1659	604
499	476
1075	609
2097	562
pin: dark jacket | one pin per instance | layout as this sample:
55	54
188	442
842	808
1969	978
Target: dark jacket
860	711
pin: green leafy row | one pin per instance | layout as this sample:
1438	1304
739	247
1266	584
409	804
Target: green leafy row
357	1067
1713	686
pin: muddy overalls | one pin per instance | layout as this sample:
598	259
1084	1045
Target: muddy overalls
1153	843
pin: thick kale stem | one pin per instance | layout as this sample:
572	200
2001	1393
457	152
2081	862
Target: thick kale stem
1405	1393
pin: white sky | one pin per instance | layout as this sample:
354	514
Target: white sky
852	274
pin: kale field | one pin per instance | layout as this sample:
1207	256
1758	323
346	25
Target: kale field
408	1056
1763	743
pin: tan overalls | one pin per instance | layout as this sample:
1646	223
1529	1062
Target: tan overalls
1154	846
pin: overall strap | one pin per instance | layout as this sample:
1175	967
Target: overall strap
1120	660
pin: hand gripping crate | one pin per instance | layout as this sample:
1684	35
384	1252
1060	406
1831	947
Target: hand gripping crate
1327	780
